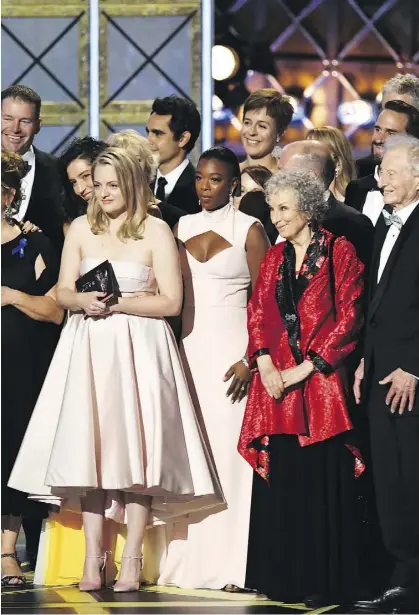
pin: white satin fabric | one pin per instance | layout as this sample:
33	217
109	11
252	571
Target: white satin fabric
212	552
115	413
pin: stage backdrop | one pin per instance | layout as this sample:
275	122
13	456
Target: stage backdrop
146	49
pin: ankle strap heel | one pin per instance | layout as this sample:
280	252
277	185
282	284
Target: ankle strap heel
88	586
129	587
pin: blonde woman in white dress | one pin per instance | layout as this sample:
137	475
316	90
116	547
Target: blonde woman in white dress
114	428
221	250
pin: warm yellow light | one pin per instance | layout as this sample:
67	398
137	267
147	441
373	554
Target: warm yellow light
225	62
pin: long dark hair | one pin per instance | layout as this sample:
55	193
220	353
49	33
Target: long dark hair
88	149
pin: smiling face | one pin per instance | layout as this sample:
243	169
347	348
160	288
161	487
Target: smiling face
286	215
258	134
214	183
388	123
79	173
19	125
247	185
400	188
107	190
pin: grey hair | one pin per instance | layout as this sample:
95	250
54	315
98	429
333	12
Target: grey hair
404	84
410	145
308	189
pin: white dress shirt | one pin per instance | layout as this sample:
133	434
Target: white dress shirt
172	178
27	184
392	236
390	241
374	202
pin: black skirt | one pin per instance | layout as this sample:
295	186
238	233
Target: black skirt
303	527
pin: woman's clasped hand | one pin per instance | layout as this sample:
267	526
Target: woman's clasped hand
275	381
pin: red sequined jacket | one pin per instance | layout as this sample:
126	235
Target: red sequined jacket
329	330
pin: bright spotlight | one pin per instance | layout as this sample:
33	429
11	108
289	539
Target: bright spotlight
356	112
225	62
217	103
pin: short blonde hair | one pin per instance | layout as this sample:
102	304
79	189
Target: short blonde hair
134	187
131	141
340	150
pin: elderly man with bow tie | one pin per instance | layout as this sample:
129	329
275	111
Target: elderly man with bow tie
387	378
397	118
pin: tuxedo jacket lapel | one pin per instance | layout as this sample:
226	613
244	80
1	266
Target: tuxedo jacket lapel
379	289
367	184
41	186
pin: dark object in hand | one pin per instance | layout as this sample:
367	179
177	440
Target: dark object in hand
101	279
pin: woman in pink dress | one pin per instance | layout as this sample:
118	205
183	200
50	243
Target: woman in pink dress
114	428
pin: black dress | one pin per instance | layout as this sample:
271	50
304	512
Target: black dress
27	346
303	527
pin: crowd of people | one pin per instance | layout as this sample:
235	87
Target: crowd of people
251	392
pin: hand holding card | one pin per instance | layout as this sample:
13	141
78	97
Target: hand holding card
100	280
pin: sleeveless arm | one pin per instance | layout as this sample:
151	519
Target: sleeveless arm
70	266
257	244
166	267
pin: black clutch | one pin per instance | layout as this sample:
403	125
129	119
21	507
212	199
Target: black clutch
101	279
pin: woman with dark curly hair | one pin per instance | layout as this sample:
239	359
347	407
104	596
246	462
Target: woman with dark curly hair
29	272
76	162
304	319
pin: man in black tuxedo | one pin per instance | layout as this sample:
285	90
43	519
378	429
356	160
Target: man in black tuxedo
399	87
173	128
388	374
340	219
397	117
43	202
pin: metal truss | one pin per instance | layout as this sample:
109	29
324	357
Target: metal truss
149	58
332	58
37	59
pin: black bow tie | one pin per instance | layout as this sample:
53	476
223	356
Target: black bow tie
28	167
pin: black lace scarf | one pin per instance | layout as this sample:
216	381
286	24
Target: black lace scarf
289	289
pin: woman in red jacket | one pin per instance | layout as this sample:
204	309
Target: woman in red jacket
304	320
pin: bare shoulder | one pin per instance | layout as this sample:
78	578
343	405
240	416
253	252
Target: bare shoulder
255	231
157	229
80	223
78	228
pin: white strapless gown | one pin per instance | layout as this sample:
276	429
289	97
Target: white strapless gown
115	413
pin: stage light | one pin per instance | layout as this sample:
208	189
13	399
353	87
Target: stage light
217	103
225	62
356	112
